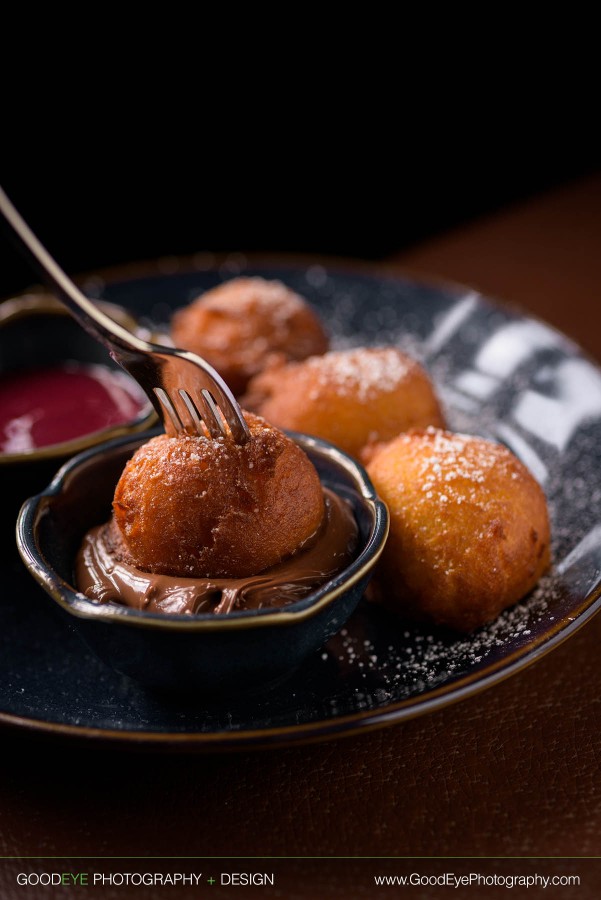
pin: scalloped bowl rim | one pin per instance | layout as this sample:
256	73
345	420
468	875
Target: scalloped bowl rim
78	605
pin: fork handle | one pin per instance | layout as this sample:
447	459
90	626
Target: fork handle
143	360
99	325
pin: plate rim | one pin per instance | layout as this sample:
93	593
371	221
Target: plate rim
323	729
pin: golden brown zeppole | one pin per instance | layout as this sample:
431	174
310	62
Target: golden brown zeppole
469	529
247	324
353	398
191	506
207	525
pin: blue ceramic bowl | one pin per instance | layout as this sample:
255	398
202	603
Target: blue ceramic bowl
206	652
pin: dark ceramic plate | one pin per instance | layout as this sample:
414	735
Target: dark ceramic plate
500	375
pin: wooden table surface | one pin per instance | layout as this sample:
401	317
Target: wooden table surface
513	771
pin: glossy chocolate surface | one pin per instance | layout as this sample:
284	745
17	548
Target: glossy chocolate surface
101	577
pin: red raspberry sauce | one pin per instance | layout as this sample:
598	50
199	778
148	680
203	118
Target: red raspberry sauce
40	407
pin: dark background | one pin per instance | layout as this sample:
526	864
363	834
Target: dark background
125	207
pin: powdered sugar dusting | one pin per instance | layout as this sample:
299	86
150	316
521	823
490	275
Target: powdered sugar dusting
361	373
270	299
390	661
454	467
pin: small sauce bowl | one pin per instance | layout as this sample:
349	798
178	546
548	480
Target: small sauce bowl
38	335
208	653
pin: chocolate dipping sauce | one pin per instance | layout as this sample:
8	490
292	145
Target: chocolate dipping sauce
100	577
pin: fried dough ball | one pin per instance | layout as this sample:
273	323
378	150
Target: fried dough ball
352	398
195	507
247	324
469	532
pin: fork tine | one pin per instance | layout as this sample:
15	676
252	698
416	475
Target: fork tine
231	412
169	408
193	413
209	416
214	411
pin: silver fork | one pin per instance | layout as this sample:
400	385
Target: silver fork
184	389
